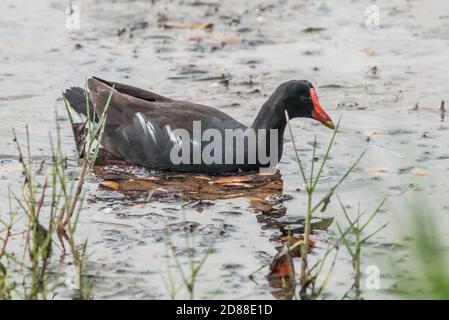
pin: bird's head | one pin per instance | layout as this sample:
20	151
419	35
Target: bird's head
299	99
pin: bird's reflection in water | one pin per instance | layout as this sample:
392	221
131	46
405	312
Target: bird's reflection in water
264	191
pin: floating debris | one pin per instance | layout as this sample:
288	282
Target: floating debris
420	172
368	51
189	25
131	27
442	111
313	30
282	275
371	134
377	172
331	86
191	186
227	39
373	71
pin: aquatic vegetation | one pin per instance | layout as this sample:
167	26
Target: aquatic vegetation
190	276
428	275
43	184
354	247
309	274
6	285
282	271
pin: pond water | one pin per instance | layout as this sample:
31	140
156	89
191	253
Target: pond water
385	84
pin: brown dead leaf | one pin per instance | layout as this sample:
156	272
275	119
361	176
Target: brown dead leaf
206	178
130	185
377	172
368	51
232	179
189	25
194	39
420	172
110	185
186	185
281	276
282	267
237	185
291	240
257	197
227	39
137	185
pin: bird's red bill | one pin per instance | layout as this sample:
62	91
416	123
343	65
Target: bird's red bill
318	113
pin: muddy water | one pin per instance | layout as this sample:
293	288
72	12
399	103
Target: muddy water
372	79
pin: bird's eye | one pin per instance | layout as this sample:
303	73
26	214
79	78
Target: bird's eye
304	99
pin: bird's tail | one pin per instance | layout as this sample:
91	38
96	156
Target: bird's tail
80	102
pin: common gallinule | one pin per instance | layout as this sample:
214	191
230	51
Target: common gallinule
160	133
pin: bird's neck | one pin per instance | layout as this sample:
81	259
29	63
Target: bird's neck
271	116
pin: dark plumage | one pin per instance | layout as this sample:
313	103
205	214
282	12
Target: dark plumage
140	124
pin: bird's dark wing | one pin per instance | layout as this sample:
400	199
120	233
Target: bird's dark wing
144	132
129	90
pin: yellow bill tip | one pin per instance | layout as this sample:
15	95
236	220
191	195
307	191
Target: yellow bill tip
329	124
